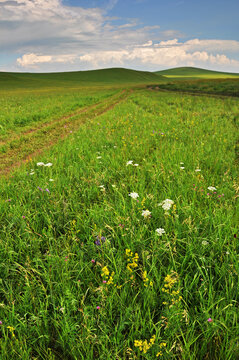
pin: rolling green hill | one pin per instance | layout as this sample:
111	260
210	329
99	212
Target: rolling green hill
195	73
112	76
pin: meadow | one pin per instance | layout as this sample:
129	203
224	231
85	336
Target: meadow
119	227
220	87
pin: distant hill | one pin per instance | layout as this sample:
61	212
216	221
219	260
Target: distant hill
195	73
112	76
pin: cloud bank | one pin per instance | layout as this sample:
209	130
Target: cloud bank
45	35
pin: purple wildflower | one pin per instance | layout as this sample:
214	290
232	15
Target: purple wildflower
100	240
47	190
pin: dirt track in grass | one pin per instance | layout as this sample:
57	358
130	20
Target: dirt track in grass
31	143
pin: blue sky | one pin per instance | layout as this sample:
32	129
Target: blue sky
55	35
204	18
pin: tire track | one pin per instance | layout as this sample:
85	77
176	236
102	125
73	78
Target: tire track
35	141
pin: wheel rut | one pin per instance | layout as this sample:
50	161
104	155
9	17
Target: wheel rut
35	141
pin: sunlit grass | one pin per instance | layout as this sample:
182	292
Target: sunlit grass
85	274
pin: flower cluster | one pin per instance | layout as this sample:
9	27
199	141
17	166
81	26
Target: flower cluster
212	188
146	279
105	273
169	282
42	164
144	345
160	231
166	204
47	190
134	195
100	240
130	162
146	214
11	329
132	259
102	188
161	346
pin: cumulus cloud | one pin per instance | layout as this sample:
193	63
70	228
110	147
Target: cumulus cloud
47	35
31	60
166	53
147	55
211	45
38	26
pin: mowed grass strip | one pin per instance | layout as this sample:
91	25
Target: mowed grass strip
33	142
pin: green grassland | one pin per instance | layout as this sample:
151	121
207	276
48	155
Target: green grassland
114	76
194	73
84	273
221	87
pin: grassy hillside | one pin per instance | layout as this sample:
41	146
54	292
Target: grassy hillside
112	76
192	72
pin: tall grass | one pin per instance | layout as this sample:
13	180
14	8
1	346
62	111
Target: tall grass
84	275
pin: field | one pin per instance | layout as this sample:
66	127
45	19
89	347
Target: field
119	227
196	73
223	87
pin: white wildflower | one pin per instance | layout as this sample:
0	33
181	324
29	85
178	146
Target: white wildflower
166	204
182	167
160	231
48	164
51	180
40	164
134	195
136	164
114	186
198	170
212	188
130	162
99	157
205	243
146	213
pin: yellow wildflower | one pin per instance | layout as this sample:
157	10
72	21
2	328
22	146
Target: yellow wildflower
105	271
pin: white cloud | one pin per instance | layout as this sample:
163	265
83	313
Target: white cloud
149	43
149	56
40	26
51	36
31	60
164	54
213	45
